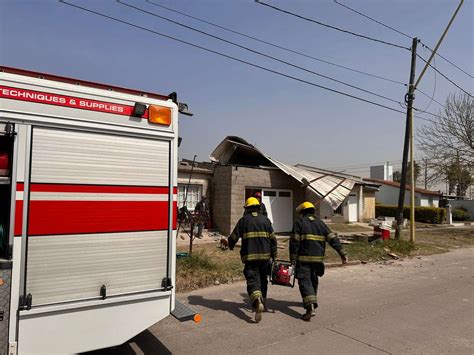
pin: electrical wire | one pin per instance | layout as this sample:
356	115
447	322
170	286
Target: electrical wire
238	59
429	97
401	33
275	45
448	61
363	165
372	19
331	26
255	51
444	76
434	89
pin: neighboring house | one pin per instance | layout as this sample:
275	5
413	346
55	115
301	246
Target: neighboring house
241	170
196	187
389	191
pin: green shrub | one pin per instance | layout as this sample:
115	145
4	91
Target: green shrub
460	214
422	214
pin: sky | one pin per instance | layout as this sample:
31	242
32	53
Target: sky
289	120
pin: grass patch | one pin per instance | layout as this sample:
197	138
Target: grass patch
207	267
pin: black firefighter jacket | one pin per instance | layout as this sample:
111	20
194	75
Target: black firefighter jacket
258	240
308	240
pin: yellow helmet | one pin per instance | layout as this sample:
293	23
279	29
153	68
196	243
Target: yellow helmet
251	201
304	206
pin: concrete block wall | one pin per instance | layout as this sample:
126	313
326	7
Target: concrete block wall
247	177
221	201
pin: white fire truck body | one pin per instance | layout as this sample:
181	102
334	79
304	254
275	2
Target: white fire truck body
91	230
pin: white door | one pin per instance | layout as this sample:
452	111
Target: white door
352	208
279	204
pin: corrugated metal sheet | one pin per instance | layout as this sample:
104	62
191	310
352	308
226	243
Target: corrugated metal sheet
333	189
73	157
66	268
331	186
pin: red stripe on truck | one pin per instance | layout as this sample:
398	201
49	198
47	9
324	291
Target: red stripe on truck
81	217
53	217
18	217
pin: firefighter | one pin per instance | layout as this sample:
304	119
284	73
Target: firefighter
259	248
263	209
307	248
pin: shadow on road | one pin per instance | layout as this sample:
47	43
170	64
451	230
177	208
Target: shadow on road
284	307
144	343
238	309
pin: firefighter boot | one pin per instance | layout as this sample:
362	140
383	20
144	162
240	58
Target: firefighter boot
314	309
309	313
259	307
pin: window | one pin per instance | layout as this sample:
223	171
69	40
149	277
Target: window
269	193
285	194
194	195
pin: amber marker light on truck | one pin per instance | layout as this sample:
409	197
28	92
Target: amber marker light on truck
159	115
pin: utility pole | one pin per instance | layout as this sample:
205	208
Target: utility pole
459	174
409	97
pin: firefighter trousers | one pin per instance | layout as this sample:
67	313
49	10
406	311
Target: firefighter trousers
307	275
256	274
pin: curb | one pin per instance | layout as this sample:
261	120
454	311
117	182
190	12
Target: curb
349	263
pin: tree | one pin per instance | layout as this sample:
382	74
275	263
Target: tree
397	175
459	179
449	139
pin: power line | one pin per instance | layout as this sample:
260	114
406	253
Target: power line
275	45
401	33
450	62
331	26
256	52
372	19
444	76
363	165
238	60
429	97
434	89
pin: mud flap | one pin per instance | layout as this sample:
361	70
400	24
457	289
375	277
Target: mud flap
183	313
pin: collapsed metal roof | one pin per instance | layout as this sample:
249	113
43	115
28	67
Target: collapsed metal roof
330	186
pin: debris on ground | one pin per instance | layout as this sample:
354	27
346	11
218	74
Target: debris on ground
389	253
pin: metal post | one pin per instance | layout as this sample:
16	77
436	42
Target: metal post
409	97
412	177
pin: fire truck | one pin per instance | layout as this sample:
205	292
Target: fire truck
88	187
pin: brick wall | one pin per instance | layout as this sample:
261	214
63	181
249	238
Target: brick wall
221	198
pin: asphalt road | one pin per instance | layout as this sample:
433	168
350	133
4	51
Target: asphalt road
408	307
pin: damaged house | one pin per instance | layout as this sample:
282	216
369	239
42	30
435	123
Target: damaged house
240	170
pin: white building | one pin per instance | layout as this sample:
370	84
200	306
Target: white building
389	190
382	172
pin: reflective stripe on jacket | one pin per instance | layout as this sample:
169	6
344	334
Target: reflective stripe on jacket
258	240
308	240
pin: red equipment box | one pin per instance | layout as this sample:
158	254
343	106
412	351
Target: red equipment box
282	273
